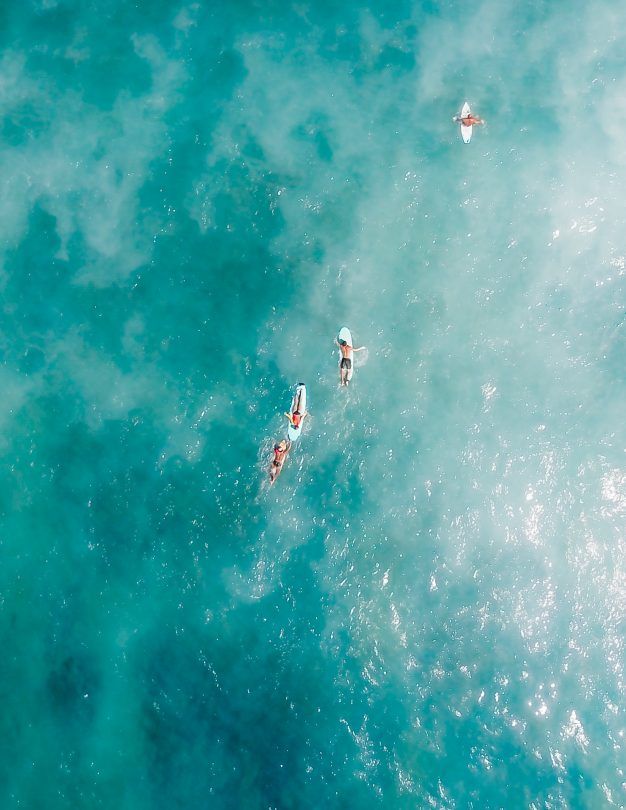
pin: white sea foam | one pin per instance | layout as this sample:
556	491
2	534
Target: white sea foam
87	166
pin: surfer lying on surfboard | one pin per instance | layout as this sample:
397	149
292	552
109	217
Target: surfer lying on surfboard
345	366
469	120
297	416
281	451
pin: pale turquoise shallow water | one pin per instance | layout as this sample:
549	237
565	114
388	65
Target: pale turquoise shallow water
427	610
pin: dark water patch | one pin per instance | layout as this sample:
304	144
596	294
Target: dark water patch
121	495
31	475
42	301
24	123
216	327
107	313
73	686
35	278
86	51
269	728
88	496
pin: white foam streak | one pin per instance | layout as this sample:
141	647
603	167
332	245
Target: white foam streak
87	166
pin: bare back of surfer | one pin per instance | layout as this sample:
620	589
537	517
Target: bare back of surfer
281	451
470	120
345	366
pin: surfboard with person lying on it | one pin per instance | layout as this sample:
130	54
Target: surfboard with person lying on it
468	121
297	413
346	358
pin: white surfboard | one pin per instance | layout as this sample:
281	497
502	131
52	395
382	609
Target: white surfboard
344	334
466	132
297	403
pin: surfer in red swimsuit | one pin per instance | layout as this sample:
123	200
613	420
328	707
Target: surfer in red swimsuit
297	417
470	120
281	451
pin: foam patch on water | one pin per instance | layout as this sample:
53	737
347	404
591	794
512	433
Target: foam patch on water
86	166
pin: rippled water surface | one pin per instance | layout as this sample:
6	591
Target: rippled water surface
428	608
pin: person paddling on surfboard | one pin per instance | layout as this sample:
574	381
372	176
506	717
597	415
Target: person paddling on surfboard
281	451
469	120
345	366
296	417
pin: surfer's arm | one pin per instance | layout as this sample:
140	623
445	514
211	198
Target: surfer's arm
289	416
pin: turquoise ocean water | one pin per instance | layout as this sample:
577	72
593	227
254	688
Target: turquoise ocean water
428	608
